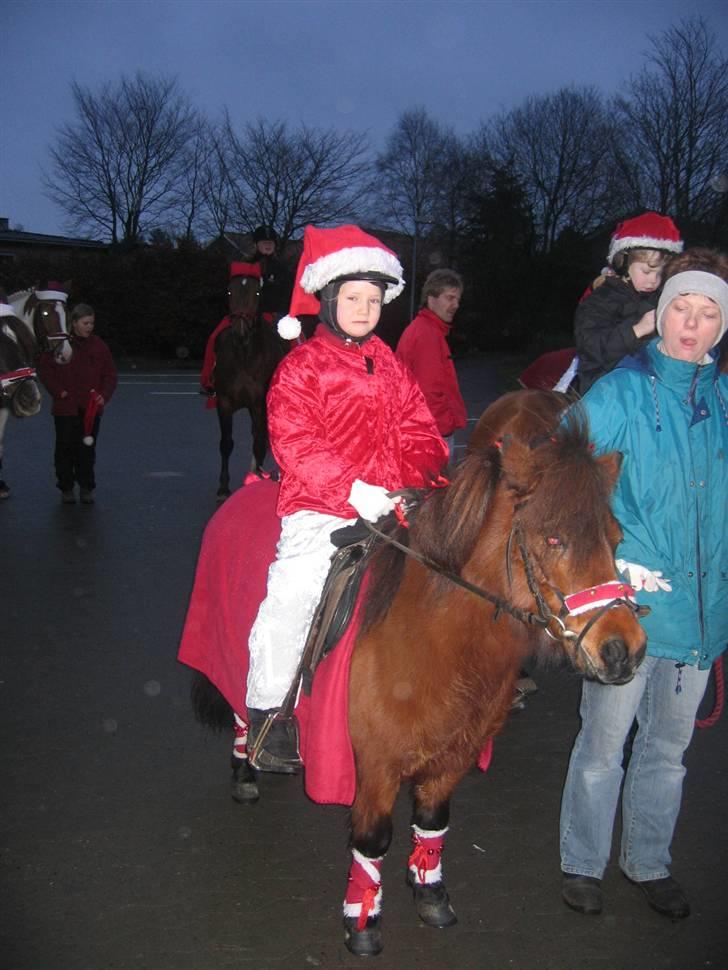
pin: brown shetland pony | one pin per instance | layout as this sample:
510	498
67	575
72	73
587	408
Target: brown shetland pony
526	522
248	353
526	516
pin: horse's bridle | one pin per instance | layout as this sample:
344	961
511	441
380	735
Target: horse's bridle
11	380
601	598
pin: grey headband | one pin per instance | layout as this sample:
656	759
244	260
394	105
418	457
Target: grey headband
695	281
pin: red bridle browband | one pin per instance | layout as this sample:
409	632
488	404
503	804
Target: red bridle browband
596	596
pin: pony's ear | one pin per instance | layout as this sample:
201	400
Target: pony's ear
611	465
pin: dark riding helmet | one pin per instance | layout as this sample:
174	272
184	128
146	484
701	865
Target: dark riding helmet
263	233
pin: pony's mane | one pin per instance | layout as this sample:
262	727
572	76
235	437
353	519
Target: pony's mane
571	496
444	529
566	493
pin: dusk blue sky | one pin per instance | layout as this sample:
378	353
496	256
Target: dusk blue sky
349	64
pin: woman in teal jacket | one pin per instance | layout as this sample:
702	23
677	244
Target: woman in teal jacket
666	411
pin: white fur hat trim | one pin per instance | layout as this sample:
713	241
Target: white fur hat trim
357	259
51	295
643	242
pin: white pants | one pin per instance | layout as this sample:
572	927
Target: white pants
295	582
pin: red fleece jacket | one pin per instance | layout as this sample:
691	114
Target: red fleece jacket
424	350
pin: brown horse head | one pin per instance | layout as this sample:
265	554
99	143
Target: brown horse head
45	312
562	536
527	518
243	296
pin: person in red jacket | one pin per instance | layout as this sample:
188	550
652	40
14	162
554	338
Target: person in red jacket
423	348
347	425
80	390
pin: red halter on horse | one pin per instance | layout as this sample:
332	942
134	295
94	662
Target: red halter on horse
516	556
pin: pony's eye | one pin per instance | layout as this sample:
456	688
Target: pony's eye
553	542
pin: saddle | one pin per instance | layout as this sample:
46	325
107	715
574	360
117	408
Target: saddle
355	544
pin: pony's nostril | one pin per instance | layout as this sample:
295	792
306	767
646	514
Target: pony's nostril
614	652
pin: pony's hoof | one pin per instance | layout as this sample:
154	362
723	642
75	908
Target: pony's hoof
433	904
243	784
366	942
222	494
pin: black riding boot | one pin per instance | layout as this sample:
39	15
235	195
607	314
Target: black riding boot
278	751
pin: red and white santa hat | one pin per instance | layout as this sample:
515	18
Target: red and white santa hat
330	254
53	290
245	269
648	231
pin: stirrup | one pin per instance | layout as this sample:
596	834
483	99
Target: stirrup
264	759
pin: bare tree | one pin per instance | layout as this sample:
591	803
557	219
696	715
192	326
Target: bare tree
288	179
189	205
409	172
117	169
557	147
674	124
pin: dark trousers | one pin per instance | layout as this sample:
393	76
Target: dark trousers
74	460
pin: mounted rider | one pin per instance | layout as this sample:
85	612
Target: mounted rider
347	425
275	283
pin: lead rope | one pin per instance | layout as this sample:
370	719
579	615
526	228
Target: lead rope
712	718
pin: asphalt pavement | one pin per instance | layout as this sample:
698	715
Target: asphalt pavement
120	847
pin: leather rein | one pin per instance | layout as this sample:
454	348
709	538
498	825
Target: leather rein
600	598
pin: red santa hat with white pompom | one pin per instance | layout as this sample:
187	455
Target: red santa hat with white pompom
648	231
345	252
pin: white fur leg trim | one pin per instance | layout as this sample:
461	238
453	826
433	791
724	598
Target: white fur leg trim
370	866
431	875
430	833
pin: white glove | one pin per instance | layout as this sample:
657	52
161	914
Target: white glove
641	578
370	501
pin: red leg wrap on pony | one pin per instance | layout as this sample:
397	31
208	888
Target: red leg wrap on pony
240	744
364	890
425	863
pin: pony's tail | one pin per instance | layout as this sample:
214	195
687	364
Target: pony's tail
210	707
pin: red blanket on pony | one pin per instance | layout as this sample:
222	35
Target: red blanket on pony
238	546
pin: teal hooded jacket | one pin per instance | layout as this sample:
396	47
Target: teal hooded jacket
669	419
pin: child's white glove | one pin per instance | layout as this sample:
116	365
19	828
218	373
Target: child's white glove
370	501
641	578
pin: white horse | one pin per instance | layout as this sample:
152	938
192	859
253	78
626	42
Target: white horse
19	392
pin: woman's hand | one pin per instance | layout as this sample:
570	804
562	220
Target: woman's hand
641	578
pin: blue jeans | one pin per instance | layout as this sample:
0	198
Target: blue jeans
654	777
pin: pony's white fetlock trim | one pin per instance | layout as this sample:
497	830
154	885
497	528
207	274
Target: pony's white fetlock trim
240	744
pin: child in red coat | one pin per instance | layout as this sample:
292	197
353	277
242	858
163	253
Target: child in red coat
80	390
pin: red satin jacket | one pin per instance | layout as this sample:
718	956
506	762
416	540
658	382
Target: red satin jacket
423	348
338	411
